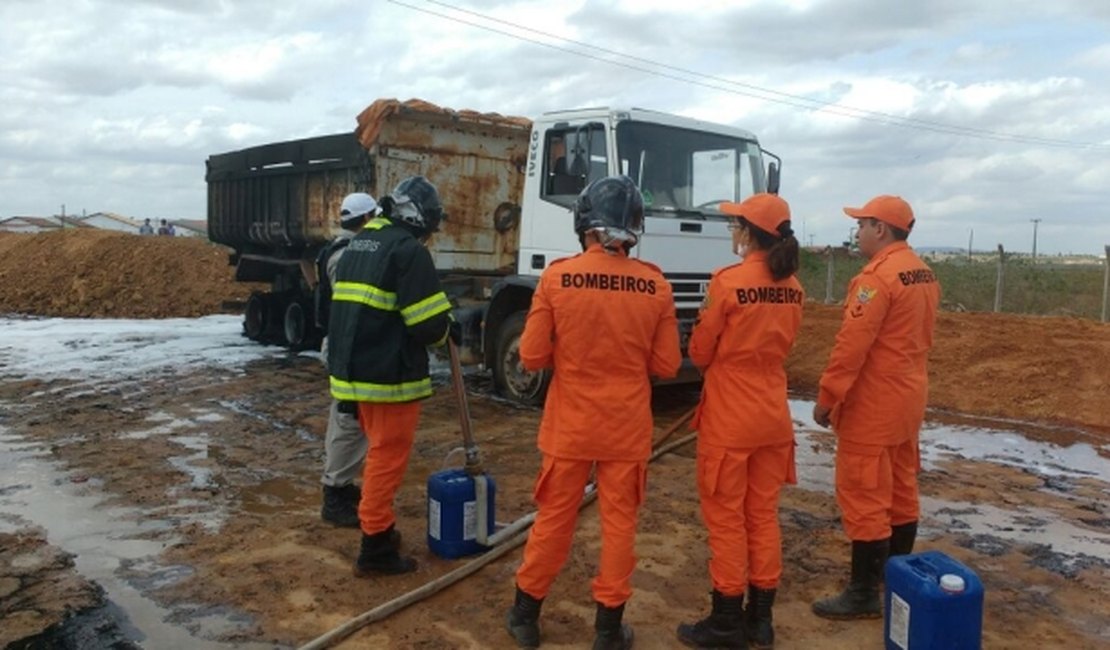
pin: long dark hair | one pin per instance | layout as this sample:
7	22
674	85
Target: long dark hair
783	256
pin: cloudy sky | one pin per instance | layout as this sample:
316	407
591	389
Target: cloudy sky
984	114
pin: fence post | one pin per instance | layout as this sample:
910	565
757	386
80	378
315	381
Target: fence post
829	278
998	284
1106	285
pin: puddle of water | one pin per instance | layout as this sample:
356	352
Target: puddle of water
278	495
105	541
1059	464
160	430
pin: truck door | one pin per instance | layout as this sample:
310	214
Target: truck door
569	156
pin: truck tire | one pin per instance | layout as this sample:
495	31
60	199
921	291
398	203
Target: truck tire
510	377
299	332
256	316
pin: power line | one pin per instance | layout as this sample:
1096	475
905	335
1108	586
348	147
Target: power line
738	87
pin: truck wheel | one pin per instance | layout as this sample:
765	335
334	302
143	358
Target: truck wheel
298	330
255	316
510	377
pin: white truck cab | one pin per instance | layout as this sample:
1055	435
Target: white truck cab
684	167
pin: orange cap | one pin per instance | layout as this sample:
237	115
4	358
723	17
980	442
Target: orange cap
764	211
889	209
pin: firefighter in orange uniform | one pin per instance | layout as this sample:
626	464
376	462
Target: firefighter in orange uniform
746	327
873	394
606	323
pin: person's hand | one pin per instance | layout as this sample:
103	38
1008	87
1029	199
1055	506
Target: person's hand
454	332
821	415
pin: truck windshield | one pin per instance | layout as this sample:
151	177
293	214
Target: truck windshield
683	171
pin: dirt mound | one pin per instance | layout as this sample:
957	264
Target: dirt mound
1020	367
105	274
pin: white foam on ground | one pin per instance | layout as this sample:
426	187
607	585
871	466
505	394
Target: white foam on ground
108	349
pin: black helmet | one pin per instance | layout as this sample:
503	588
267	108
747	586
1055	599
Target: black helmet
610	203
415	202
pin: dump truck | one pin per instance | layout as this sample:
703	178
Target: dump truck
507	184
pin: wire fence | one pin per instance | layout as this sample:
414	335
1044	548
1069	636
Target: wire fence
998	282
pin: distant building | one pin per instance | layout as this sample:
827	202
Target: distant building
100	221
27	224
190	227
110	221
39	224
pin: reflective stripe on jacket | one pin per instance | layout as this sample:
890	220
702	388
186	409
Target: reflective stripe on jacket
877	376
744	332
606	323
387	307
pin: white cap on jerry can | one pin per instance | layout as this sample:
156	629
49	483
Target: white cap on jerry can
951	583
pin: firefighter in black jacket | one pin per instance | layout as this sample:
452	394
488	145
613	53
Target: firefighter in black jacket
387	306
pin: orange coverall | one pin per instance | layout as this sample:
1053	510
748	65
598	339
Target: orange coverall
877	384
390	428
606	324
745	329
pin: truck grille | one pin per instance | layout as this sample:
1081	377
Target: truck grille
689	288
689	291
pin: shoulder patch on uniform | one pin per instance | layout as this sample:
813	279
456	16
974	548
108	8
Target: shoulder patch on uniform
861	298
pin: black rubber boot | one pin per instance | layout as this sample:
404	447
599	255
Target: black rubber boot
757	617
902	538
340	506
523	620
860	599
723	628
609	632
378	555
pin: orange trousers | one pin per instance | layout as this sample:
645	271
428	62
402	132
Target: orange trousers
876	488
558	493
390	429
739	490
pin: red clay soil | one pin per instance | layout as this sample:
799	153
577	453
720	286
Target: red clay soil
1049	369
105	274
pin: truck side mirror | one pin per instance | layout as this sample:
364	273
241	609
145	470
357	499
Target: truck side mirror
773	172
579	151
773	178
581	148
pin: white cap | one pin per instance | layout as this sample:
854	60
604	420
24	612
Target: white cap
951	583
356	206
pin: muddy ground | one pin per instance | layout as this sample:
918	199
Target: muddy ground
212	472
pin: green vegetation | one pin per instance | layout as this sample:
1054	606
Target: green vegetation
1048	287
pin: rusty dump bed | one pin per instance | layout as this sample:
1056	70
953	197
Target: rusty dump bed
282	200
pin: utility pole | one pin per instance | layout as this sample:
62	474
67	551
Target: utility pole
998	282
970	238
1035	222
1106	285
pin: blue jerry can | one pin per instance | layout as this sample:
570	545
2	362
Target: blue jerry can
932	601
453	513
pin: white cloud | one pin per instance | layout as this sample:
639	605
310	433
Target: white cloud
114	104
1096	57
